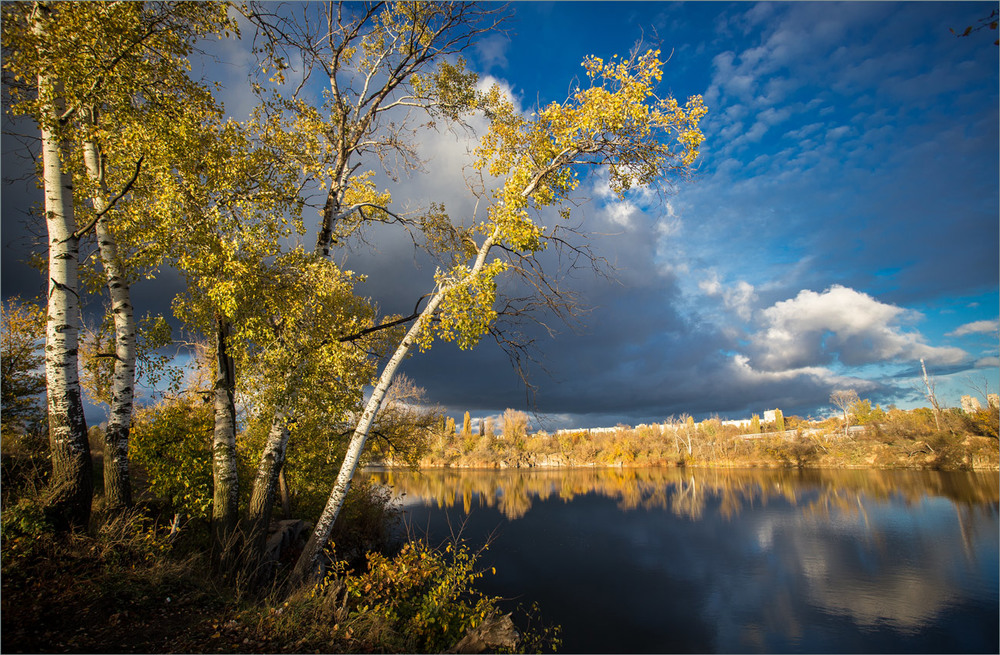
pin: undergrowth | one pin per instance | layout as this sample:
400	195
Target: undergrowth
134	583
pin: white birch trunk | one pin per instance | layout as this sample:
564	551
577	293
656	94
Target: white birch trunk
931	396
308	567
71	486
265	489
117	481
225	498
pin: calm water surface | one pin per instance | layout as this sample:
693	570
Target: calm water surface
673	560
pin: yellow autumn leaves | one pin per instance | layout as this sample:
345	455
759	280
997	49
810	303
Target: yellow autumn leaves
618	122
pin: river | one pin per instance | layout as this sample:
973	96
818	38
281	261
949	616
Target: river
707	560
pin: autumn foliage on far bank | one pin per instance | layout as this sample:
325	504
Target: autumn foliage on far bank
879	439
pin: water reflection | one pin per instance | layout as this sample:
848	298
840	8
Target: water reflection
674	560
685	491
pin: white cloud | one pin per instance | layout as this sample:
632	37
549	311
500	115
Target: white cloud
772	116
637	201
669	224
803	131
622	213
743	371
740	299
841	324
711	285
976	327
836	133
492	51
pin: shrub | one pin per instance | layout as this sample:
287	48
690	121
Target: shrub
366	522
983	422
172	442
949	453
24	465
422	600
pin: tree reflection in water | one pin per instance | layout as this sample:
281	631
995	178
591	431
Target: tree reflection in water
684	491
733	560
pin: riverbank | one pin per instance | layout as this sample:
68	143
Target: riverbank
141	581
906	440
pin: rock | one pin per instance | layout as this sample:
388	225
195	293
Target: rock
283	535
493	633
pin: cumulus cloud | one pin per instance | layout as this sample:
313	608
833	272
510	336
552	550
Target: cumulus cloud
988	362
840	324
711	285
976	327
740	299
623	212
744	373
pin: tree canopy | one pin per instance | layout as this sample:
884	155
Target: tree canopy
141	155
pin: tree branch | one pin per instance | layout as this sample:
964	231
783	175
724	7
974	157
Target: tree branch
384	326
111	203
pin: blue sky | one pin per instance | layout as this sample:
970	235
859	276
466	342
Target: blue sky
842	223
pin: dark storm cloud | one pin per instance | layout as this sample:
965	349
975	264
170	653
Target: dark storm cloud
22	231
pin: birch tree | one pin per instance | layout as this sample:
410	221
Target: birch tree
89	59
382	66
141	50
617	122
280	318
37	42
220	220
299	381
842	399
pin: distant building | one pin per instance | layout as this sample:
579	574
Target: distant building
769	416
592	430
970	404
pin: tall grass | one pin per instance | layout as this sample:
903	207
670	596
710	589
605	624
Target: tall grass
141	582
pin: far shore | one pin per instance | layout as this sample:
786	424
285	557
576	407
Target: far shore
907	440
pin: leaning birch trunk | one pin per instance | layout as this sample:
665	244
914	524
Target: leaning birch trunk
71	488
308	567
265	489
272	461
225	498
117	481
270	469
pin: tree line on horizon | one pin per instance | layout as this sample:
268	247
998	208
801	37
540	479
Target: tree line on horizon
919	438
